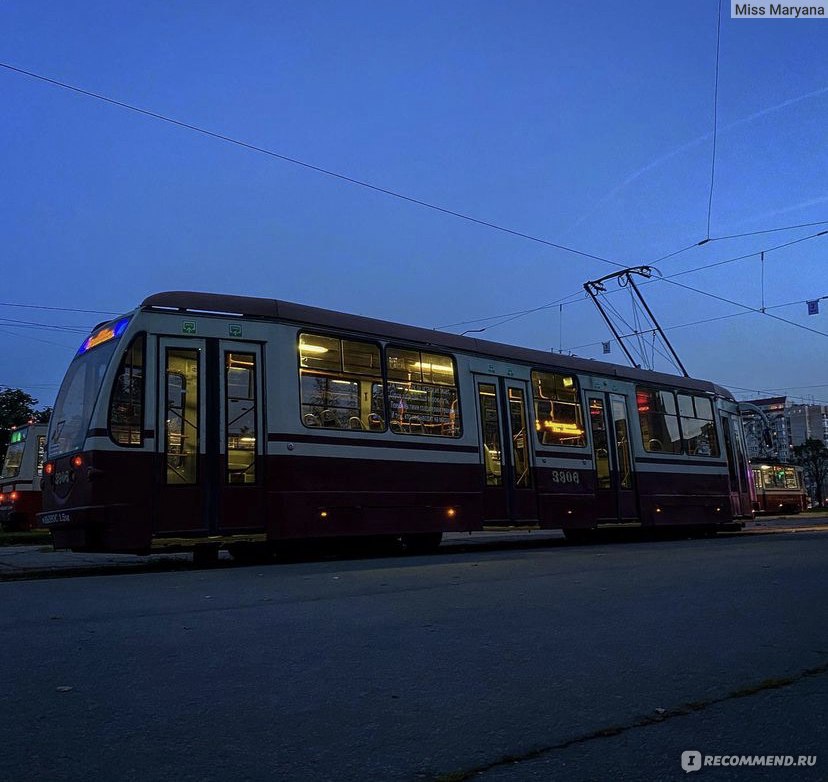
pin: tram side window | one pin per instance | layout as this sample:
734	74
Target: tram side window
559	418
126	405
779	477
659	420
41	453
340	383
181	435
697	425
241	426
422	393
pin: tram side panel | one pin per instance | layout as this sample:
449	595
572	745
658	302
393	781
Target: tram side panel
325	482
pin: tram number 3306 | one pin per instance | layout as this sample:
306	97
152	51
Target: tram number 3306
565	476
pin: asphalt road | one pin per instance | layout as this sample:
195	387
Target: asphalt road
602	662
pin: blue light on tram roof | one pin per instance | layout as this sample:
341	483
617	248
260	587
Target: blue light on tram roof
104	334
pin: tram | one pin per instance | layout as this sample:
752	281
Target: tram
20	496
780	488
202	420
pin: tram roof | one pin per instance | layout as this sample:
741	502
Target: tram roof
273	309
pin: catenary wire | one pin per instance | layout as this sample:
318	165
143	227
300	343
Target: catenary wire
309	166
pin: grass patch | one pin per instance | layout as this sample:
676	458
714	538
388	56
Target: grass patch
28	538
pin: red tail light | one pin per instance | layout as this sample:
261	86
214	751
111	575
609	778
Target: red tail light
14	496
48	468
2	497
77	461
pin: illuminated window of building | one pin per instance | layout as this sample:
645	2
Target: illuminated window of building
340	383
559	418
422	393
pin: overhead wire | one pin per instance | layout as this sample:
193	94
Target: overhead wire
311	167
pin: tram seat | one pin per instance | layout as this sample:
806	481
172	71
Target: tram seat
491	460
375	422
355	422
328	419
310	419
416	425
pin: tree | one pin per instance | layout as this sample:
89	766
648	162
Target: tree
813	456
17	408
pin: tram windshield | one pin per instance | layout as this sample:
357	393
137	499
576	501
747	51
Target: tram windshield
14	458
79	390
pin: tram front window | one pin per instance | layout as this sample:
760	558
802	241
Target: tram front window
14	458
76	400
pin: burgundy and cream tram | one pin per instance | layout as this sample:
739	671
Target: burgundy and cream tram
204	420
20	496
780	487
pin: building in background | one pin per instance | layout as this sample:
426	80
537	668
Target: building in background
790	424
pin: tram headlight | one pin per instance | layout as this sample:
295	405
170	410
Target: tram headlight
77	461
14	496
48	468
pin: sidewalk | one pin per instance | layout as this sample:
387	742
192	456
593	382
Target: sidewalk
41	561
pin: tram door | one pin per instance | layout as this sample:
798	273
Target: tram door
742	490
180	501
210	444
505	440
242	438
615	494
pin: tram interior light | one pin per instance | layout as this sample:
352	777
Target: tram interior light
314	349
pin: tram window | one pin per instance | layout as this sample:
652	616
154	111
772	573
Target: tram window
41	453
126	405
340	383
241	421
422	393
181	416
658	419
559	417
600	442
779	477
731	457
698	426
520	439
490	433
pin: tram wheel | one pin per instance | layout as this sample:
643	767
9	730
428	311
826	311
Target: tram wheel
251	553
422	542
578	536
204	556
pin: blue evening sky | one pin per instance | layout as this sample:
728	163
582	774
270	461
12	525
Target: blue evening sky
585	124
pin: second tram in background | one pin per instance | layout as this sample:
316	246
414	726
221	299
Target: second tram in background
20	496
780	488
